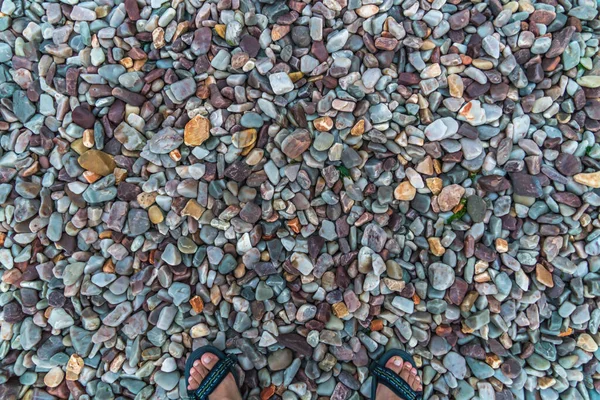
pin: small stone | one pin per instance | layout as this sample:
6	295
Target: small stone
131	139
435	185
442	128
405	191
22	107
155	214
166	380
193	209
197	131
323	124
589	81
280	359
337	40
476	207
472	113
543	276
568	164
374	237
82	14
97	162
459	20
185	88
591	179
281	83
403	304
379	113
74	367
526	185
456	364
54	377
494	183
340	310
59	319
436	247
441	276
450	197
302	263
296	143
587	343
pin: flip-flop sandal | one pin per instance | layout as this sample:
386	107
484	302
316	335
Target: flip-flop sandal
215	376
387	377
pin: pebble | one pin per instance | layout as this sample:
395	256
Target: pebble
196	131
281	83
441	276
591	179
97	162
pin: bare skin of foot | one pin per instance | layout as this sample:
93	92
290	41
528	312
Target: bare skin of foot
406	371
227	389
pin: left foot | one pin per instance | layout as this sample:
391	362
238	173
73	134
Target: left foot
406	371
227	389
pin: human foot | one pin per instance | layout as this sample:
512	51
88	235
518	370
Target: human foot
226	390
406	372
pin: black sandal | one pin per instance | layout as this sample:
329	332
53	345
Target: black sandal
387	377
215	376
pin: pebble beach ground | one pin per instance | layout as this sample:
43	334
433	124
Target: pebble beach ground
304	184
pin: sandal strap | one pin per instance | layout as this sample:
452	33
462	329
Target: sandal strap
214	378
389	378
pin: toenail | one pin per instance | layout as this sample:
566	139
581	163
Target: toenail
207	358
397	362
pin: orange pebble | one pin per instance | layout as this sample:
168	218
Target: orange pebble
377	325
197	304
90	177
416	299
295	225
267	392
566	333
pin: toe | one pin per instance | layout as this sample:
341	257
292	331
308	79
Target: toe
209	360
418	386
416	383
405	373
201	370
197	374
411	381
195	379
395	364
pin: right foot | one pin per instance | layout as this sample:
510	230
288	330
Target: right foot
406	372
227	389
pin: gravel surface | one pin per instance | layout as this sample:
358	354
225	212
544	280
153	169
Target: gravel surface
304	184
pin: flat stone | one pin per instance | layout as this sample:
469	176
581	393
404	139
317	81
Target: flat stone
440	129
441	276
281	83
97	162
296	143
591	179
450	197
